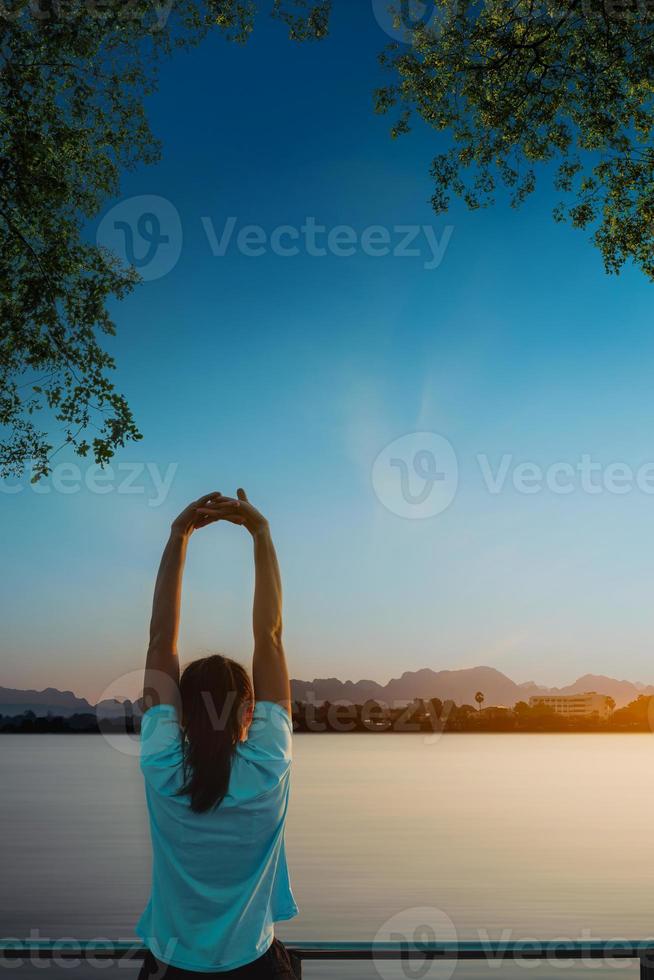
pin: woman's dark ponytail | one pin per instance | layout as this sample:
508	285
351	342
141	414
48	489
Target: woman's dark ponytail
216	694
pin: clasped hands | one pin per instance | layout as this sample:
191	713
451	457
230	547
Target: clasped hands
214	507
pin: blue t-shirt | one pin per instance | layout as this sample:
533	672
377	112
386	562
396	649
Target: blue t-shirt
219	879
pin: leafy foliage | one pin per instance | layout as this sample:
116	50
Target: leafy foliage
523	83
516	85
73	76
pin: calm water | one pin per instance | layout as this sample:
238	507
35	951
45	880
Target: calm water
545	836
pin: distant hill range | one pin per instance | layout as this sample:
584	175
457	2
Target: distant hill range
50	701
459	686
53	702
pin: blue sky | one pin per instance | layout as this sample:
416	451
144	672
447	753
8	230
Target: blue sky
290	374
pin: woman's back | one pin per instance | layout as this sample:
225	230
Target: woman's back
219	878
217	801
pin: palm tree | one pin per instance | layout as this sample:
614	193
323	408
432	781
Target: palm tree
479	698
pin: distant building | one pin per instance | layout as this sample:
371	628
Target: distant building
575	705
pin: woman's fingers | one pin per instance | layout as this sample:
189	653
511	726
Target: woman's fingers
227	510
207	497
221	504
214	507
216	498
213	516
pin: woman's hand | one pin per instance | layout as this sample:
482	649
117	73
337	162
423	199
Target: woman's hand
191	519
236	511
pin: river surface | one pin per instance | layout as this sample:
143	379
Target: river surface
468	836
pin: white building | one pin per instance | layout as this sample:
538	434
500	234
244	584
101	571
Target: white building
575	705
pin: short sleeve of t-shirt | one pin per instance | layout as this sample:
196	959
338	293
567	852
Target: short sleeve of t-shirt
161	743
264	759
269	735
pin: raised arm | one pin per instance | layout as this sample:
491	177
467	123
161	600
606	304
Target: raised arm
269	670
160	684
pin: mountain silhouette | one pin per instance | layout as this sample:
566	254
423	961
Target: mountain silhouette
50	701
459	686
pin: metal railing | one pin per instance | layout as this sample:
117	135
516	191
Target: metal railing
642	950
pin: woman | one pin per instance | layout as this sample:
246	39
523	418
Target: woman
215	755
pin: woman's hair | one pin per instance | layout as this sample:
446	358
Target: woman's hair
216	695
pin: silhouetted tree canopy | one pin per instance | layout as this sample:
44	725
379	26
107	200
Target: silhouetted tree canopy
73	78
514	86
519	85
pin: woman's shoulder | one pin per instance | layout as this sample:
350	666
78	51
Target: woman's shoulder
262	762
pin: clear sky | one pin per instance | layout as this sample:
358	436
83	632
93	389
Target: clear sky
289	374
